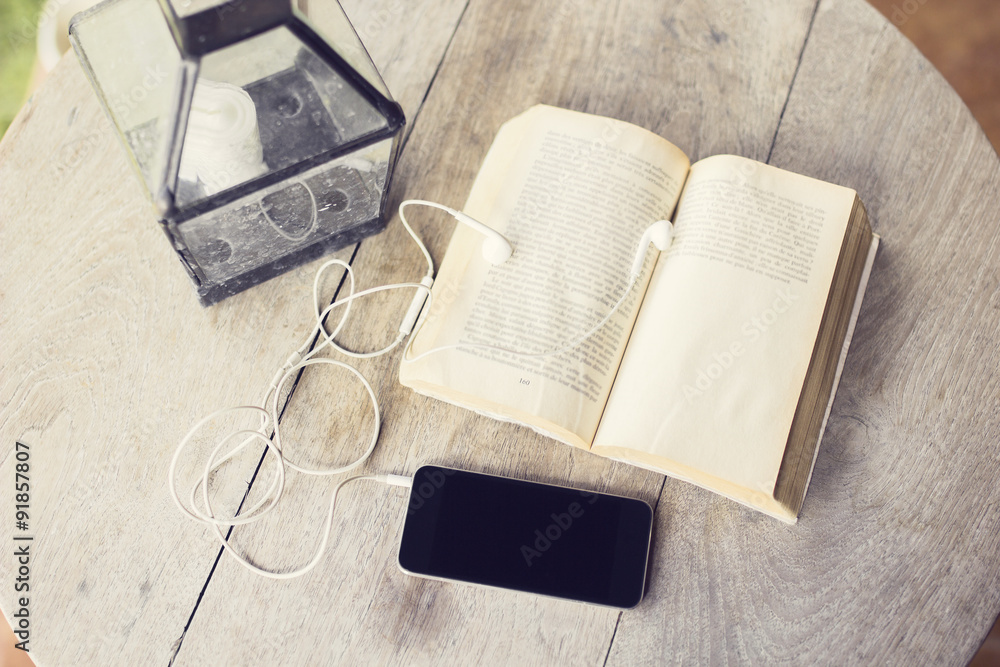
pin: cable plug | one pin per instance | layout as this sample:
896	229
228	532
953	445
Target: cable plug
396	480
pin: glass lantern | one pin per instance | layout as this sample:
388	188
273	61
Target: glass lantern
260	129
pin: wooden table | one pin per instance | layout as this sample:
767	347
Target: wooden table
107	360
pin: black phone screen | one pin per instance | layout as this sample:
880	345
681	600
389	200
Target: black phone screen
526	536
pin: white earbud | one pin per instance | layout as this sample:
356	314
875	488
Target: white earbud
660	234
496	249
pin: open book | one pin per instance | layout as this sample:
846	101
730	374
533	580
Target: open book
720	365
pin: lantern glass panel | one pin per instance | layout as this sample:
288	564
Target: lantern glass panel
263	105
134	64
329	21
280	220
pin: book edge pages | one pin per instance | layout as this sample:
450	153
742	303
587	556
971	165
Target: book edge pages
763	509
855	312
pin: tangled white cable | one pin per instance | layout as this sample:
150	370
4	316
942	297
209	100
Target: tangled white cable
268	410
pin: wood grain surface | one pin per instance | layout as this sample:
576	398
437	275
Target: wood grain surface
108	360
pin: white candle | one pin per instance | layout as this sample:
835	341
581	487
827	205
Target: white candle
222	145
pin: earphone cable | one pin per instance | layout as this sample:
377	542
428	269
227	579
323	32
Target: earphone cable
318	340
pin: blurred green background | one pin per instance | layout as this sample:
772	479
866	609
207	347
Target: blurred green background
18	27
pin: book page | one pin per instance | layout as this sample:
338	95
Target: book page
720	350
573	193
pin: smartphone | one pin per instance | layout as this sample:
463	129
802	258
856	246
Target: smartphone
525	536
